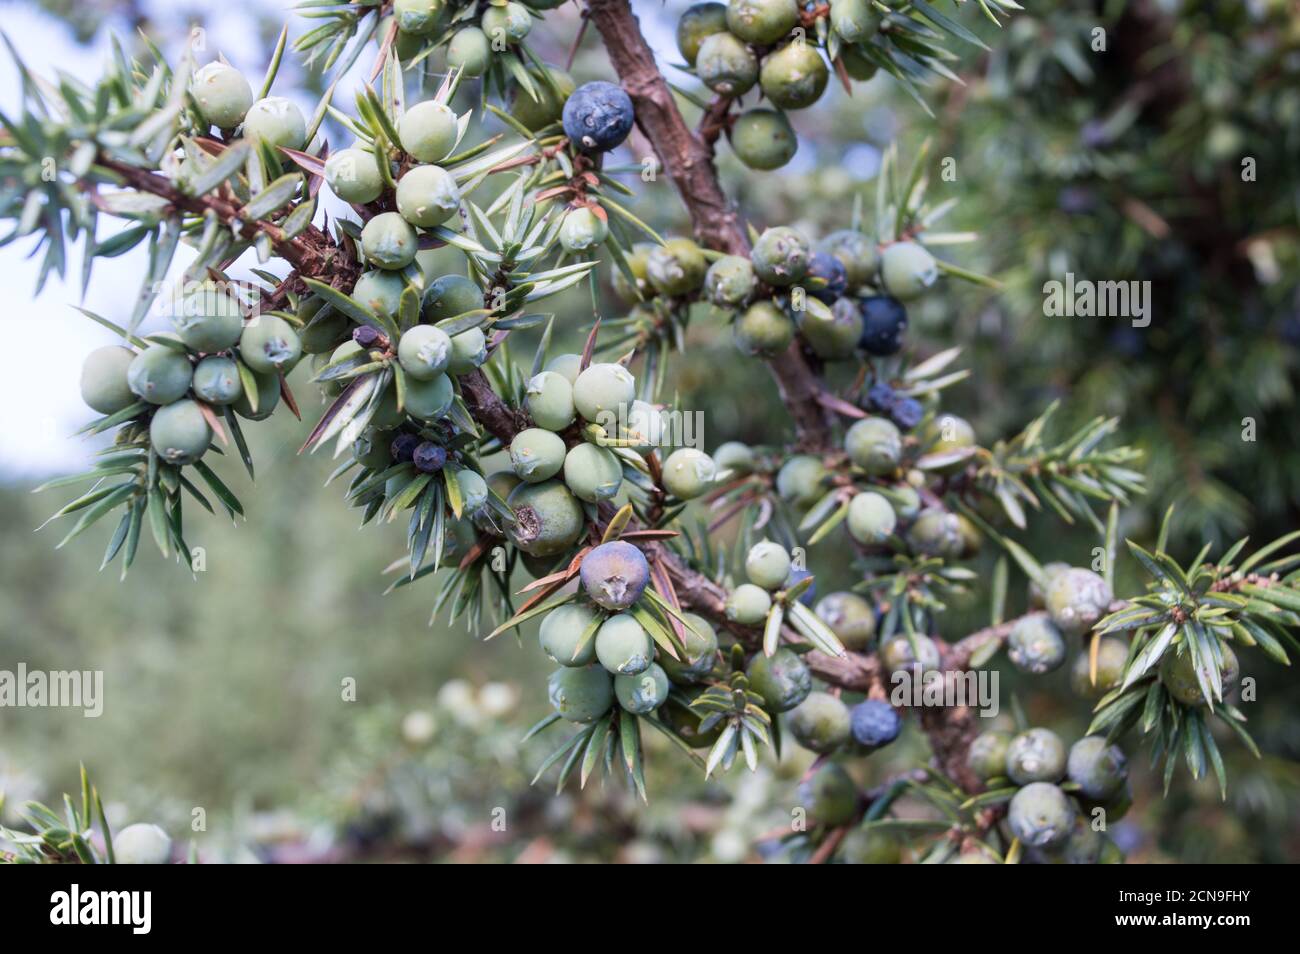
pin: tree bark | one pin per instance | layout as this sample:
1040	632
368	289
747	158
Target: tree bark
688	160
312	253
682	154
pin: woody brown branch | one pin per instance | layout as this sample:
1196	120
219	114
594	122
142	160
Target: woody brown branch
311	253
715	121
688	160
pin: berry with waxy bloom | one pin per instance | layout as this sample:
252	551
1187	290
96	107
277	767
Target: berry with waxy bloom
643	692
159	374
726	65
1097	767
907	270
562	631
1041	815
537	454
700	21
470	51
427	196
179	432
729	281
850	617
763	139
1035	645
603	388
874	723
582	229
423	351
763	330
1178	674
142	844
782	679
1077	599
508	23
428	130
676	268
429	458
734	456
762	21
216	381
781	255
268	343
388	241
276	121
768	565
820	723
801	480
208	318
581	695
884	320
748	604
622	646
615	574
1036	755
104	385
592	473
548	518
354	176
987	756
688	472
871	519
875	445
794	76
223	94
598	116
429	400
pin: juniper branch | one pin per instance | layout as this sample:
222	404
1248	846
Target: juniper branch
688	160
312	253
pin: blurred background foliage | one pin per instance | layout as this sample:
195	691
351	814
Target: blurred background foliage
1119	159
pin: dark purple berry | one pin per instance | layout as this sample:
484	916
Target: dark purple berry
906	413
881	398
429	457
884	319
825	266
403	447
365	336
597	116
875	723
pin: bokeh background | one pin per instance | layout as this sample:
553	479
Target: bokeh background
224	690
